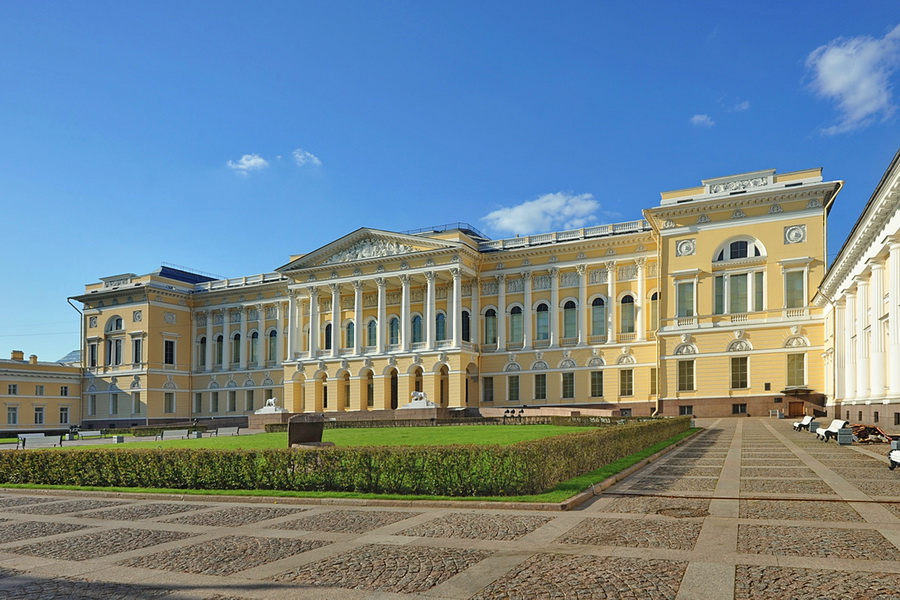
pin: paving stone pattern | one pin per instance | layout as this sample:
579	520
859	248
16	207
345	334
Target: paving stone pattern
478	526
27	530
634	533
224	556
786	486
6	501
139	512
80	589
59	508
100	543
798	510
346	521
398	569
677	484
801	541
235	516
780	472
779	583
652	505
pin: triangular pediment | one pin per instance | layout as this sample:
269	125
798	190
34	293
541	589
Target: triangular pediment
366	245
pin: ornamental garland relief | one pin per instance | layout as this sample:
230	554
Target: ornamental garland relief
369	248
794	234
685	247
738	185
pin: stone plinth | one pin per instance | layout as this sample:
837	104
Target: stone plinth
260	421
305	428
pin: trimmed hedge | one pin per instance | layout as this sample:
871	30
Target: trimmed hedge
523	468
378	424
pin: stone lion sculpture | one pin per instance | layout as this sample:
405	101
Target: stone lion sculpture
419	396
270	402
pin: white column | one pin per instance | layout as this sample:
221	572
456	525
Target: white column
226	341
639	301
475	320
298	329
876	360
263	343
554	307
244	340
611	302
195	355
382	315
404	314
357	317
314	325
862	361
894	317
582	305
279	325
501	312
209	340
840	349
335	319
429	310
292	325
455	313
850	346
528	313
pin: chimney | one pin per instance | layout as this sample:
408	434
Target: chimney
17	355
32	359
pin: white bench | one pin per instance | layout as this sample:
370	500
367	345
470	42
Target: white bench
38	440
90	434
171	434
804	424
894	458
228	431
831	430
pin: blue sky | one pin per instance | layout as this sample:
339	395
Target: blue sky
226	136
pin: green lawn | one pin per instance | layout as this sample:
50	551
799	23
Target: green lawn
386	436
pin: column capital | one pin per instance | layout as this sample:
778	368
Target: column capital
313	291
875	263
357	284
527	275
456	273
500	278
380	282
429	275
404	279
640	261
335	288
610	265
554	271
581	269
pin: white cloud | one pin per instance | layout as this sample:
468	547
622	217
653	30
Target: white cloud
302	157
855	73
702	121
741	106
549	212
247	163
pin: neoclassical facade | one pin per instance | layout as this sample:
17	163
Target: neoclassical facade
701	307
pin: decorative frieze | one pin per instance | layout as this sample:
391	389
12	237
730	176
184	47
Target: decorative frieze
515	285
542	282
569	279
366	249
738	185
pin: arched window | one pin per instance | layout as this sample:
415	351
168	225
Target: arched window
372	333
202	351
328	337
570	320
744	248
254	347
220	347
440	326
466	326
350	335
236	348
490	326
394	331
543	322
627	314
417	329
598	317
516	333
273	345
654	311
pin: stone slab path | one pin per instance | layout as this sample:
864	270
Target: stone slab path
748	510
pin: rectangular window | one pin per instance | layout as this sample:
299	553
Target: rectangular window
92	355
487	384
719	304
113	404
214	402
758	291
232	401
653	380
875	417
568	385
685	299
169	352
685	375
12	415
92	405
513	388
64	415
794	289
796	370
117	351
38	415
737	293
270	393
540	386
685	410
626	382
197	408
596	384
39	390
896	418
739	409
12	389
64	390
135	403
169	402
136	351
248	400
624	412
739	378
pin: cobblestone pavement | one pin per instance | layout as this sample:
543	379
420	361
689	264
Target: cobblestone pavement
747	510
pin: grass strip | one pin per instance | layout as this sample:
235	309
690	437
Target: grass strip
560	493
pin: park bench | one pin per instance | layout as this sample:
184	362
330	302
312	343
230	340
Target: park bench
38	440
171	434
228	431
894	457
91	434
832	430
804	424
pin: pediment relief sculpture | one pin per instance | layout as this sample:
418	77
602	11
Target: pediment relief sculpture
368	248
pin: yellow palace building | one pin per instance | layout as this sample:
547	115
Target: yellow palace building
702	307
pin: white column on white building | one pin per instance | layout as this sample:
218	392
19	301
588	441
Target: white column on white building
335	319
455	311
280	329
611	302
894	317
639	301
404	314
876	360
209	340
314	325
528	313
840	349
382	315
582	305
850	345
358	328
554	307
501	312
862	360
429	310
244	340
